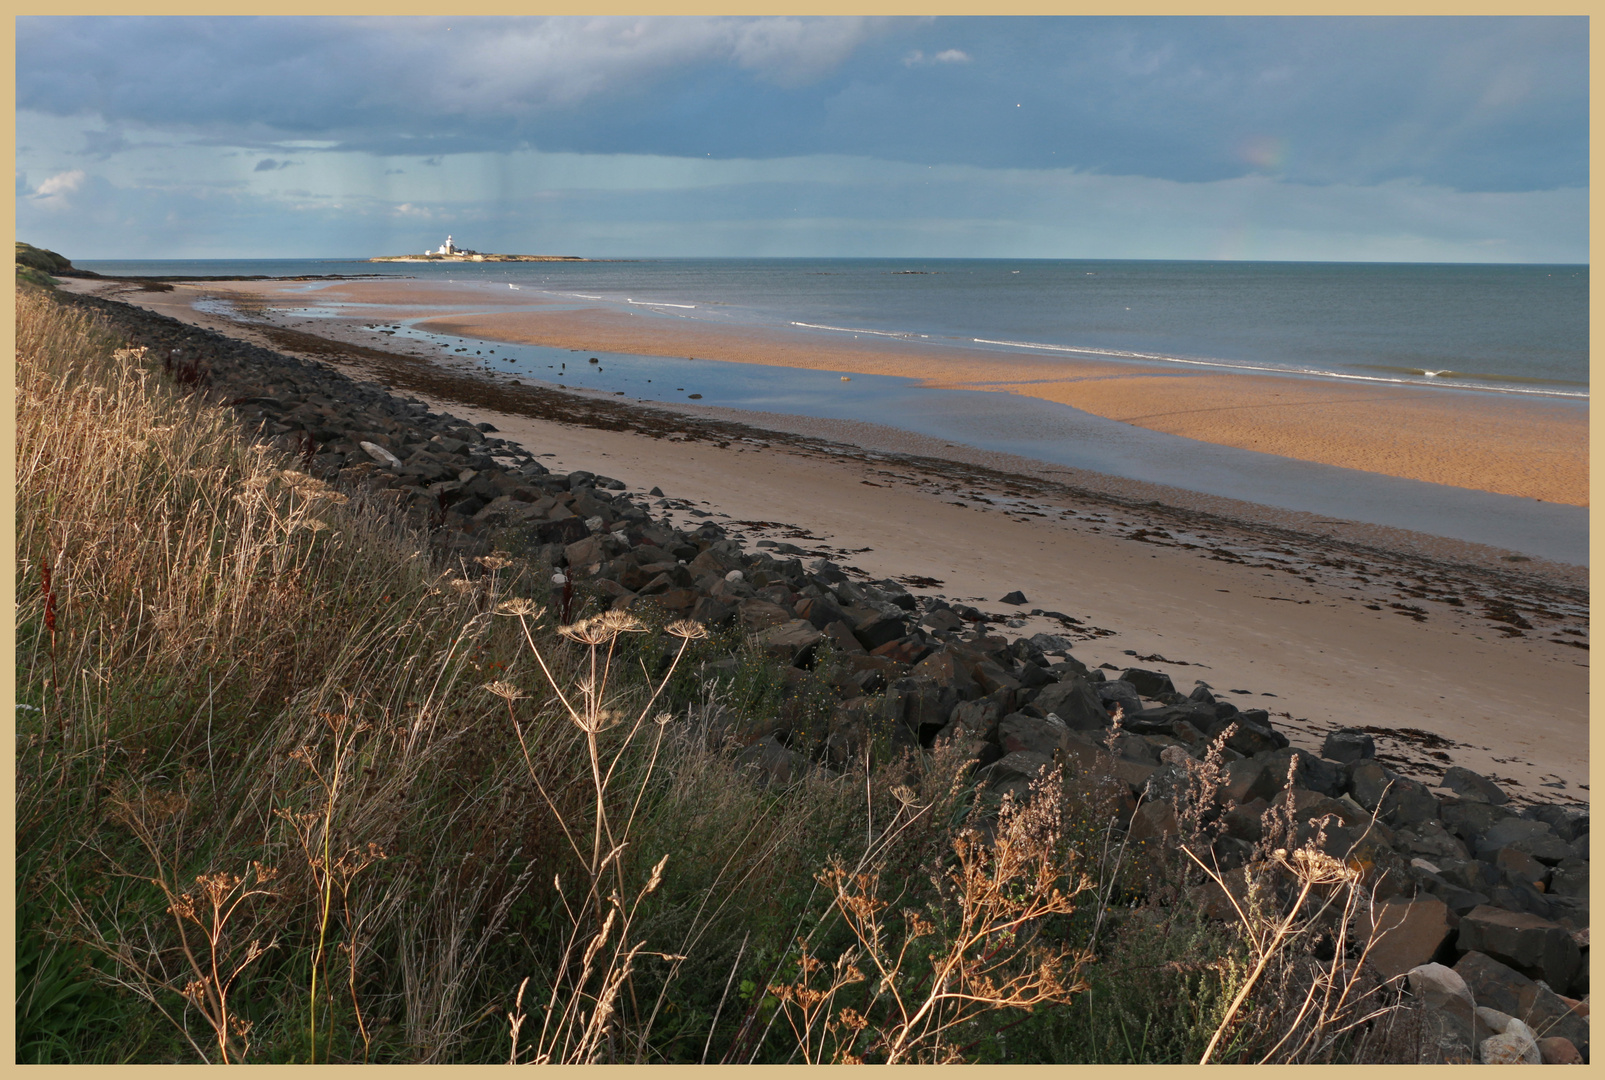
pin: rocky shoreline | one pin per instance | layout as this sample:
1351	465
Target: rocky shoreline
1487	903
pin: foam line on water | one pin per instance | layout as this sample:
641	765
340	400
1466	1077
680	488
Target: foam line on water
854	330
1230	365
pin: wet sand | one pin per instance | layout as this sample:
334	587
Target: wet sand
1511	445
1322	623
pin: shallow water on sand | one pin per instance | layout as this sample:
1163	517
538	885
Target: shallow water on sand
1040	430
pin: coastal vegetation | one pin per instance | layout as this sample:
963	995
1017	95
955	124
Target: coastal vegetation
35	265
294	786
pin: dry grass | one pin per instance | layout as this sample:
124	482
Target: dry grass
259	775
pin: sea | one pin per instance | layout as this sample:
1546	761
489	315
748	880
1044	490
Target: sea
1519	329
1465	331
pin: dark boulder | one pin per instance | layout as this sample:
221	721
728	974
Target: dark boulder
1534	946
1348	745
1150	684
1470	785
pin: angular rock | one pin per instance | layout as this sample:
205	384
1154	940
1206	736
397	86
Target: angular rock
1014	773
1570	878
977	716
821	612
1521	868
770	762
842	635
1115	693
1397	800
1153	820
1515	1046
877	629
1470	785
1249	779
1253	735
1569	822
1554	1050
791	642
1468	819
756	614
1534	837
1451	1025
1312	773
1020	732
1406	934
1074	702
1348	745
1150	684
1536	947
1431	839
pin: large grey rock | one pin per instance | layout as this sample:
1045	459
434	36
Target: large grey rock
1570	878
1569	822
1398	800
1534	837
1502	987
1470	785
977	717
769	762
1074	702
1469	820
1516	1045
1018	731
1250	779
1254	733
1311	773
1014	773
1348	745
1150	684
1117	693
1405	934
1451	1024
790	642
946	668
1432	840
1536	947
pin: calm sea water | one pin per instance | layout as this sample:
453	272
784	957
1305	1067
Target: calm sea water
1483	329
1510	329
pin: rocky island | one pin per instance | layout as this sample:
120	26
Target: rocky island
448	252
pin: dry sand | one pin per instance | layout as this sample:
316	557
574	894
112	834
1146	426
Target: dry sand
1318	632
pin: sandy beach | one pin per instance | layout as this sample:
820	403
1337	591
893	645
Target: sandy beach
1322	623
1528	447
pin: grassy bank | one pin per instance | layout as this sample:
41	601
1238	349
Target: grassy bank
290	789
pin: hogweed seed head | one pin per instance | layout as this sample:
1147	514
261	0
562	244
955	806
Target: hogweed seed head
504	690
686	629
520	606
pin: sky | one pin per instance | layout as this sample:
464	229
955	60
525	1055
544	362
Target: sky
1370	139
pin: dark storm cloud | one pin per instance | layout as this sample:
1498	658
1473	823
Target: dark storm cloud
1472	104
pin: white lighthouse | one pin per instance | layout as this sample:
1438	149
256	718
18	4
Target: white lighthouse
446	248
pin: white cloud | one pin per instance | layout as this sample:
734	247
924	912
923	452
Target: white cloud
53	192
501	66
946	56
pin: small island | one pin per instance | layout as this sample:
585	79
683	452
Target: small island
449	252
